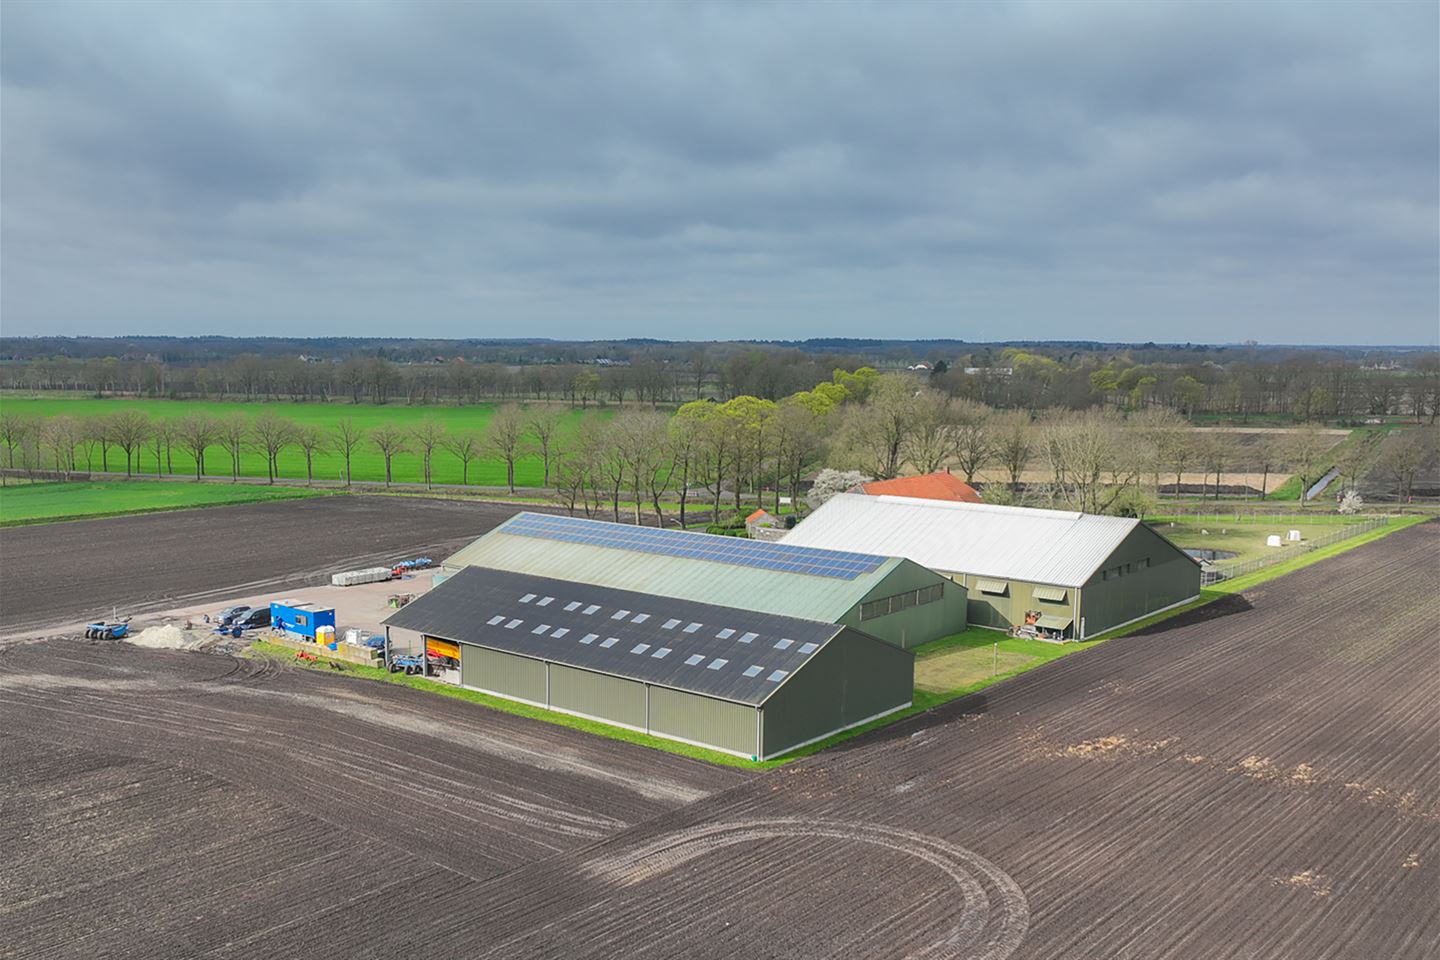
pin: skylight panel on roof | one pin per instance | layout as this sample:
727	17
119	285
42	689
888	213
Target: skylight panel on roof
560	632
513	624
753	671
495	619
609	642
590	638
542	628
640	648
640	618
777	675
693	659
545	601
590	609
809	648
784	644
725	634
572	606
619	614
692	627
748	637
670	624
716	664
661	654
527	598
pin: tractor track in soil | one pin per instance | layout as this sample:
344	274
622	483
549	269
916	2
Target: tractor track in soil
1260	778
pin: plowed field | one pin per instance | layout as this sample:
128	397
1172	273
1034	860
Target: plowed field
65	573
1256	780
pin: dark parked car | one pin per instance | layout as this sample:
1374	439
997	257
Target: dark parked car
230	614
259	617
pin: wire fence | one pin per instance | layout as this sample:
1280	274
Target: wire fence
1213	573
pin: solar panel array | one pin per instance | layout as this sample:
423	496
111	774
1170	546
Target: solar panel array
837	564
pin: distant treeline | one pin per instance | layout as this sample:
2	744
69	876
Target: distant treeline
1207	381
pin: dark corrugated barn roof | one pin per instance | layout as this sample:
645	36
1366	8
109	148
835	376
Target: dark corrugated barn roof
718	651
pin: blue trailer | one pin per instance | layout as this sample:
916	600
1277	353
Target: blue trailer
300	618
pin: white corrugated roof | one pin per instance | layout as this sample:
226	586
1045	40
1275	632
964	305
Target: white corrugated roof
1012	543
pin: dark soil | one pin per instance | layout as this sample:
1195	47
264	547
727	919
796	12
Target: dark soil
60	574
1256	780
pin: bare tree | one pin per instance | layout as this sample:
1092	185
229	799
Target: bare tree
162	435
1405	454
311	440
14	429
429	434
128	429
1305	449
234	437
272	435
98	431
1266	454
505	435
799	446
1214	454
1014	446
542	426
196	434
1093	459
1356	459
59	434
346	439
974	446
930	441
465	446
390	440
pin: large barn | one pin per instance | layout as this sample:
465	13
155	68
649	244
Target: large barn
1078	574
751	684
888	597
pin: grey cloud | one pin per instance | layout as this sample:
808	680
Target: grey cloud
782	170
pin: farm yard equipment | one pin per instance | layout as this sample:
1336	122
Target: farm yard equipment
101	630
410	566
398	600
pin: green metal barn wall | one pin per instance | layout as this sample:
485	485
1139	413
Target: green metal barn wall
1171	578
613	699
915	625
989	610
519	678
851	679
703	720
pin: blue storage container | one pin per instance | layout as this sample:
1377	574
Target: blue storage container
298	618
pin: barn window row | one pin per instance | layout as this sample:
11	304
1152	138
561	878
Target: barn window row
901	601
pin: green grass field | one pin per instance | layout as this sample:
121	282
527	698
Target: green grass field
367	464
45	502
1245	537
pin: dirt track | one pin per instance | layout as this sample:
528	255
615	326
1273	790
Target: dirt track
64	573
1260	781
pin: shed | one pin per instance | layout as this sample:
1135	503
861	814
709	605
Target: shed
889	597
1077	574
751	684
300	617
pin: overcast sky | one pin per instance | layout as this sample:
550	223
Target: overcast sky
1155	171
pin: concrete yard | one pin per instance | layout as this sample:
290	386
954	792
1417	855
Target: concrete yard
1257	779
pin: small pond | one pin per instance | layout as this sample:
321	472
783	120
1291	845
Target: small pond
1205	553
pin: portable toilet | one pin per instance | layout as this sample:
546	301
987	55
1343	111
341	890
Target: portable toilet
1273	540
1294	536
302	619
